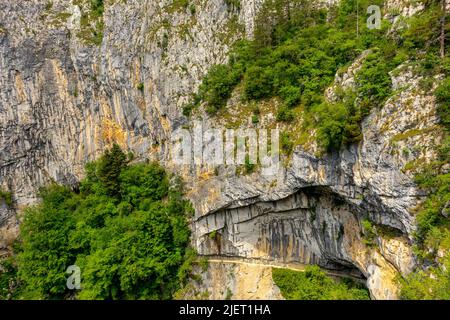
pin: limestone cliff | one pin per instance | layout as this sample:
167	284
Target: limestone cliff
65	96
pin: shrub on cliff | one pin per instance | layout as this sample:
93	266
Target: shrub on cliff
432	283
314	284
433	220
217	86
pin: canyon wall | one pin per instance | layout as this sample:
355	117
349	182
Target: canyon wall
65	97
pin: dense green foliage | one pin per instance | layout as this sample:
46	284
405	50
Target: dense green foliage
126	229
98	7
434	282
296	52
217	86
314	284
294	56
443	98
299	60
433	219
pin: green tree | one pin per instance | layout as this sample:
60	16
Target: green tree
314	284
217	86
108	170
132	247
45	252
432	283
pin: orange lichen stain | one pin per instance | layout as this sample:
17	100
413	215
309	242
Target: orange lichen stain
112	132
165	123
206	175
154	149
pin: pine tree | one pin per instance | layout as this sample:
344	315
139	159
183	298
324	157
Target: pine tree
109	168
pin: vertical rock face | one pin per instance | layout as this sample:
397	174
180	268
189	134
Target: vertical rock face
64	98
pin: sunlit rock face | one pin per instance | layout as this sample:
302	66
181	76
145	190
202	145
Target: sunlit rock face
65	98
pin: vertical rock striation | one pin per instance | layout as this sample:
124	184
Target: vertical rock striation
64	98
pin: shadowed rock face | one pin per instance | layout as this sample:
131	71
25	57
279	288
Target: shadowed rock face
306	227
63	100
